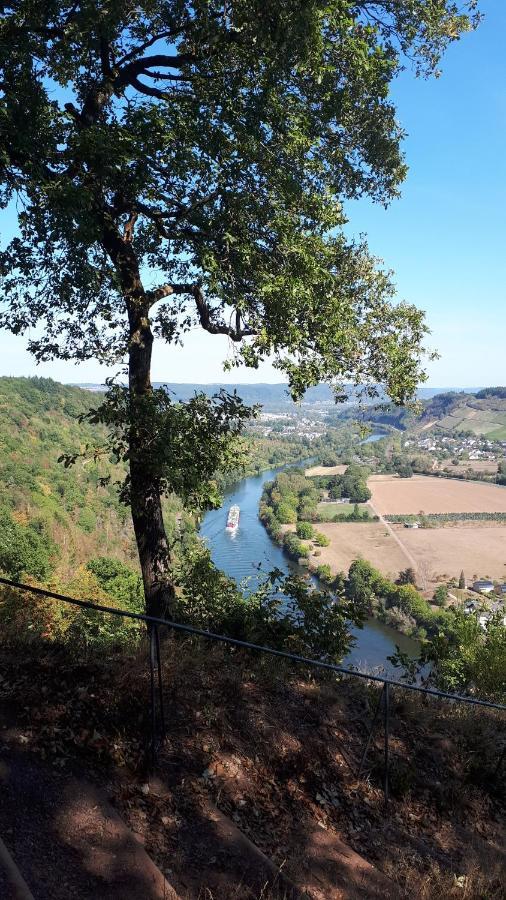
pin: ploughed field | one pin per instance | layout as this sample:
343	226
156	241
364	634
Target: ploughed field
435	553
441	552
369	540
489	466
326	470
392	495
477	548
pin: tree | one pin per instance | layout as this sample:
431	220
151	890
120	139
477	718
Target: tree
286	514
441	595
305	530
23	551
335	489
467	658
361	584
407	576
462	581
179	164
324	573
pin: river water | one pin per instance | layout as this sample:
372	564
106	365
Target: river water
241	553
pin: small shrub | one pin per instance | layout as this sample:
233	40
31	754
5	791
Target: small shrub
305	530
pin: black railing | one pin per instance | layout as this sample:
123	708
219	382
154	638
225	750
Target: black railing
158	726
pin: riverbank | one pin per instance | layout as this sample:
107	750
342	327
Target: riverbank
241	554
331	550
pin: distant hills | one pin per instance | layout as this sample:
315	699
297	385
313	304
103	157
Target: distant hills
481	413
476	410
273	395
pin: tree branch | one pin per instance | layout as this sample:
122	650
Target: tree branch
235	334
149	43
148	90
159	60
204	313
166	290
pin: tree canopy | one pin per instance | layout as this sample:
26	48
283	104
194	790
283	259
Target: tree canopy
177	165
210	145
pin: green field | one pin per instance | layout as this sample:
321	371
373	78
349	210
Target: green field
327	511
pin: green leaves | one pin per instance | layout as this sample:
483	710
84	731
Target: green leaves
228	139
181	446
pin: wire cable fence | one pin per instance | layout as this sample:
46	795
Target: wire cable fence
158	731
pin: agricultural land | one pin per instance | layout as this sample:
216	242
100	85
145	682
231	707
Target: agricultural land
405	496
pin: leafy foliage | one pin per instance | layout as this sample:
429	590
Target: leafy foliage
69	514
218	165
178	164
23	551
189	442
304	530
466	657
399	605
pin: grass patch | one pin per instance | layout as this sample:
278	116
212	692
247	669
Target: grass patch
327	511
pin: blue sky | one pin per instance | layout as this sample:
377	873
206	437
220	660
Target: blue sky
444	239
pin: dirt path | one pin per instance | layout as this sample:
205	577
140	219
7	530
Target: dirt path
411	559
67	840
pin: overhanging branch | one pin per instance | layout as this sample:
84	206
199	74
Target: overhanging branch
205	316
204	312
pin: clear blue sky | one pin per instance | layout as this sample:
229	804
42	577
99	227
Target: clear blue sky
444	239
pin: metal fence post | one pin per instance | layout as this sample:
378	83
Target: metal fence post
371	732
386	711
152	658
160	685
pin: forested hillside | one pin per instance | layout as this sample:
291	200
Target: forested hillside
52	519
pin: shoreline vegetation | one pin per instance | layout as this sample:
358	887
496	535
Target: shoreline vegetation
293	500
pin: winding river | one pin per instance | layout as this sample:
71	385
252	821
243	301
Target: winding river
241	553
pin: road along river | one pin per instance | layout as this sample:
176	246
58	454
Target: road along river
240	553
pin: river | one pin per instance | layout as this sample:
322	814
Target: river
239	554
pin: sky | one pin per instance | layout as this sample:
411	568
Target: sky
444	238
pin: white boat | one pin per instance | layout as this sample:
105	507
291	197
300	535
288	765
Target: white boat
233	518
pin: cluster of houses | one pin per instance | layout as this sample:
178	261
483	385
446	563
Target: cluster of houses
289	424
472	448
487	587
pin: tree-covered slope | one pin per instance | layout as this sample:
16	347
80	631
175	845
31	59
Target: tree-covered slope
461	412
483	413
55	519
52	518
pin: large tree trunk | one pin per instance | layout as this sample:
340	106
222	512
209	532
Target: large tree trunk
146	507
152	544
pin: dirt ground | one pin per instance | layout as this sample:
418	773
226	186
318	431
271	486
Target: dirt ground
369	540
392	495
277	752
479	465
477	549
326	470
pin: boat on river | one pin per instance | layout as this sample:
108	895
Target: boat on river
233	518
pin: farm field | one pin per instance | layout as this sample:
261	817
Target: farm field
477	549
326	470
479	465
435	553
370	540
408	496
